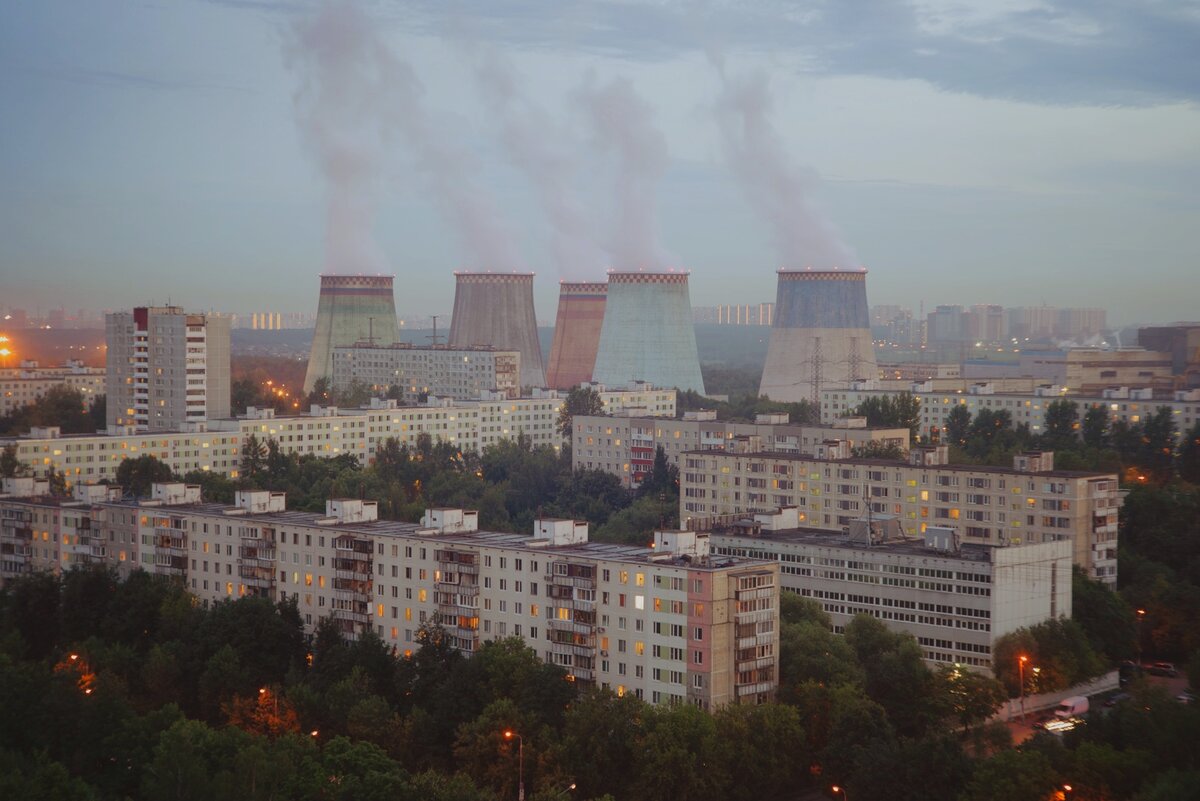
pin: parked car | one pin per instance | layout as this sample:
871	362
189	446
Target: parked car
1118	698
1128	672
1186	697
1162	669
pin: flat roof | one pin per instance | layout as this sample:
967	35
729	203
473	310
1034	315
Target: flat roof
970	552
955	468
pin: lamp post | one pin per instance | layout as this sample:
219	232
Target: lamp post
1141	615
1021	660
508	735
842	790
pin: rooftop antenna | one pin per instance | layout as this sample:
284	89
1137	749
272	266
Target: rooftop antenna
434	339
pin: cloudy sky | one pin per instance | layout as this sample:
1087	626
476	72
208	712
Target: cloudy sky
223	154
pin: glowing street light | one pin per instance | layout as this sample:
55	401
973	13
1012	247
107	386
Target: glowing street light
508	735
1021	660
842	790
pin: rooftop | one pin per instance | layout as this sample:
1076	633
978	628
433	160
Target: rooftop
954	468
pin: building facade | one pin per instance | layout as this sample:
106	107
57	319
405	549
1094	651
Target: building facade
625	445
955	599
325	431
1131	405
668	624
462	373
166	368
21	386
997	507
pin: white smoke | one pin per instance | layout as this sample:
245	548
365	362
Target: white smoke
775	186
340	112
622	125
355	94
541	149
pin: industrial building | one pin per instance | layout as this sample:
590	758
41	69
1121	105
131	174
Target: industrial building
624	445
21	386
955	598
821	337
647	333
576	333
166	368
496	310
324	431
670	624
993	506
350	309
419	371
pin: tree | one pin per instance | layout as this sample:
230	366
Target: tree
1189	456
1105	616
958	425
902	410
972	697
1062	422
878	450
581	400
662	481
254	454
1095	427
10	463
1012	776
139	474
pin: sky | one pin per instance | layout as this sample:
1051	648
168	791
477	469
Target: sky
223	153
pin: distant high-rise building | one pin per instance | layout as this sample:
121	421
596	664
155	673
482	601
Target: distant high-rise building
166	368
945	324
985	323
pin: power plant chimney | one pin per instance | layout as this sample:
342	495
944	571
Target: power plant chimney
497	309
351	308
821	338
576	333
647	333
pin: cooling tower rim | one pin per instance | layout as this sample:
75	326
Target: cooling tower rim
677	277
856	274
484	277
583	287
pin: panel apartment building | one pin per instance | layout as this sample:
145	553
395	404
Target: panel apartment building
324	431
624	445
41	532
955	598
1131	405
462	373
20	386
167	368
992	506
669	624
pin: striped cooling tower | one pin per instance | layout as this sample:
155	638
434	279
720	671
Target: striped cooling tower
576	334
496	309
351	308
821	338
647	333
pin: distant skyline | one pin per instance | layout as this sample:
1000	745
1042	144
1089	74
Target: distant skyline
1011	152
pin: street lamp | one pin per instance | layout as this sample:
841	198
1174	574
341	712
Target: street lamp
1021	660
1141	615
508	735
841	790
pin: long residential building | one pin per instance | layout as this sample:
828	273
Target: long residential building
671	623
955	598
625	445
993	506
1131	405
325	431
21	386
462	373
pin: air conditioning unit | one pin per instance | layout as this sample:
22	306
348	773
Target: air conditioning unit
600	629
604	653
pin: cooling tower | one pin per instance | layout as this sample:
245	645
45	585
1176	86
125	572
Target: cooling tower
497	309
647	333
351	308
576	333
821	338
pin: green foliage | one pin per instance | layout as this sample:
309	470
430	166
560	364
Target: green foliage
1012	776
901	410
958	426
61	406
1059	648
878	450
745	407
581	400
139	474
1189	456
1062	424
1095	427
1104	616
10	464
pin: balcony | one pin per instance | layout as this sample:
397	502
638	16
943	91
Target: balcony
554	624
353	612
587	582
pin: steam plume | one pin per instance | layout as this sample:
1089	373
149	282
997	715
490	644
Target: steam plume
621	122
775	186
356	93
540	149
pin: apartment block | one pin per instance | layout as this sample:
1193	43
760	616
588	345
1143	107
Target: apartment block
21	386
955	598
462	373
672	623
40	532
1132	405
166	368
625	445
325	431
998	507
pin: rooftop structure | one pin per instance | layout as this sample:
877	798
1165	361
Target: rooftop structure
576	333
350	309
496	309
